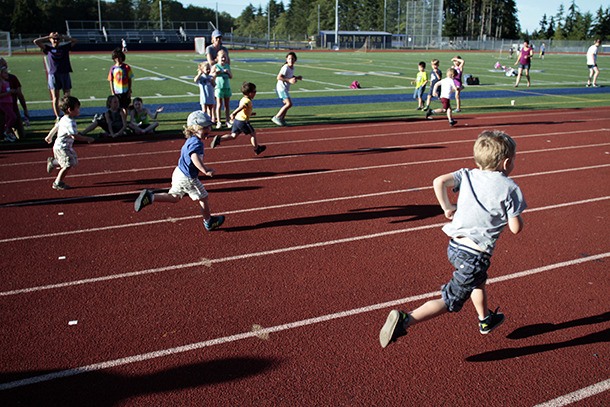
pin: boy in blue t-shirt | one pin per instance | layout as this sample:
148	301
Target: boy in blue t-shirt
488	201
185	179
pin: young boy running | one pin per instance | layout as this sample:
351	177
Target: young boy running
448	88
241	120
488	200
185	179
64	155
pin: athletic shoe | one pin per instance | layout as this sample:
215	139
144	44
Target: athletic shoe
457	110
419	108
493	320
144	199
229	125
97	117
50	166
259	149
595	85
588	85
219	125
10	137
214	222
284	122
277	121
215	142
428	114
394	327
452	123
60	186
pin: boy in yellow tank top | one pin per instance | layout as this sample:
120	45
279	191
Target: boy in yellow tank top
241	120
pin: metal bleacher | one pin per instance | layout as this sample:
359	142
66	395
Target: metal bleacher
138	32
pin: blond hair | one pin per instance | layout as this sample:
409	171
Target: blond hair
492	148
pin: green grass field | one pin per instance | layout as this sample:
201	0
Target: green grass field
166	79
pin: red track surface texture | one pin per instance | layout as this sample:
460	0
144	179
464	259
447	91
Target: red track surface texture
327	231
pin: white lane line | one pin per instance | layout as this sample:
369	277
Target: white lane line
324	139
138	170
246	210
578	395
209	262
278	328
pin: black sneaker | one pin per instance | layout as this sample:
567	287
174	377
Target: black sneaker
259	149
60	186
428	114
214	222
215	142
144	199
493	320
452	123
393	328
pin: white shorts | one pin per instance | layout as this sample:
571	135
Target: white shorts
183	185
65	158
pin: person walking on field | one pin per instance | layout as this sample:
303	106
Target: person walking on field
57	65
488	201
592	63
524	60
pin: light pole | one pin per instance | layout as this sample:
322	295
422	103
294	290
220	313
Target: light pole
99	14
160	15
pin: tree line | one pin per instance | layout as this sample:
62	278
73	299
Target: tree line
304	18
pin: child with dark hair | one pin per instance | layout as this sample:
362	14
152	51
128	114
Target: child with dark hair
120	78
285	78
64	155
241	120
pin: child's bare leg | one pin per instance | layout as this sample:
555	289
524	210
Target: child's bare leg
458	100
479	300
61	174
218	108
287	105
253	140
205	209
165	197
429	310
151	127
89	128
227	110
449	117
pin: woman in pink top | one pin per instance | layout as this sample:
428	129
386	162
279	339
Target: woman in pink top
524	61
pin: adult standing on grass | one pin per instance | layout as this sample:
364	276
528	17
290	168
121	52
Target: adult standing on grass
57	65
592	63
211	52
524	60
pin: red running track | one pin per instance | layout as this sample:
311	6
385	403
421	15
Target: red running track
328	230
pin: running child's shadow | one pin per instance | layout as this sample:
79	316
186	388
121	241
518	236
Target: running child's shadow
539	329
410	212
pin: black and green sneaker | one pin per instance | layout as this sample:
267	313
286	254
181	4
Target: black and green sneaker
394	327
144	199
491	322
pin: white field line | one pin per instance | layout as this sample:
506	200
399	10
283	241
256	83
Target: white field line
209	262
308	129
288	326
578	395
139	170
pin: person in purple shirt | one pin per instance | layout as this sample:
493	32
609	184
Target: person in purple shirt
524	61
57	65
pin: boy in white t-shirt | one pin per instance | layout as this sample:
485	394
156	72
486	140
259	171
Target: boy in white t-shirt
448	88
65	156
285	78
